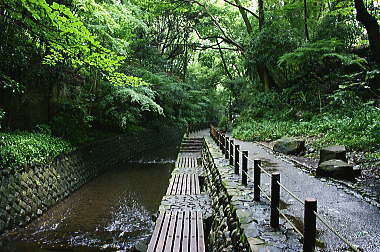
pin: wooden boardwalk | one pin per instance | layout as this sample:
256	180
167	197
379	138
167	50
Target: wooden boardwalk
186	162
184	184
178	231
181	231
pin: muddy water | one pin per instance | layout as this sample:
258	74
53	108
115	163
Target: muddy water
112	212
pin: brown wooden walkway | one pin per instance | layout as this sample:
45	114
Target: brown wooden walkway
186	162
184	184
179	232
182	230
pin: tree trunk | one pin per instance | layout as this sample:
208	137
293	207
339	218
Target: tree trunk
245	17
261	14
372	27
305	20
224	63
265	77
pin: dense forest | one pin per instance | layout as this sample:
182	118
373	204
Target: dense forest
72	71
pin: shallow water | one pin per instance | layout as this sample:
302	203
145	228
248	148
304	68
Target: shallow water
112	212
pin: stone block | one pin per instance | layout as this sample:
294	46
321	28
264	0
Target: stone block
332	152
289	145
335	168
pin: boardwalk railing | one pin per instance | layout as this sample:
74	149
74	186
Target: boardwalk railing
232	151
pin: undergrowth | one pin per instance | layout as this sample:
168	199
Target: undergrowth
19	149
359	130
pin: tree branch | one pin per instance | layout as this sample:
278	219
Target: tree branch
243	8
225	37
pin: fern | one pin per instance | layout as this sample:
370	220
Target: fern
142	96
348	59
309	53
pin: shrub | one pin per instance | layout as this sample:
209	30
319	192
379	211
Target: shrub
18	149
358	130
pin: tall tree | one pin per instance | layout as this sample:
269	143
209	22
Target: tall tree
263	70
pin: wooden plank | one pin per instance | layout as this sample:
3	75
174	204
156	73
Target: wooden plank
178	232
193	231
184	184
156	232
174	186
197	186
188	184
193	184
180	182
164	230
170	187
170	235
186	232
200	233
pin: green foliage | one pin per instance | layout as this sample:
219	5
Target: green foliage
182	102
273	41
67	38
10	85
358	130
337	27
19	149
122	108
306	57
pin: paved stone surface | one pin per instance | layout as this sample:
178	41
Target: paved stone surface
200	202
356	219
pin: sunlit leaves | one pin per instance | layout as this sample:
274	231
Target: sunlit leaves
67	38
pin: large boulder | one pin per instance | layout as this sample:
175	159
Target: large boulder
332	152
335	168
289	145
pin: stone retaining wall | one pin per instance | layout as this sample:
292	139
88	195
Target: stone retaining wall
26	194
226	233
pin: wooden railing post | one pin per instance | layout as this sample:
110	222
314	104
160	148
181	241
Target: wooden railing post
226	146
275	200
223	144
244	168
231	152
237	147
256	179
217	137
221	141
309	221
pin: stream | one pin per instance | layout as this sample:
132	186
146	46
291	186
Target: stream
112	212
